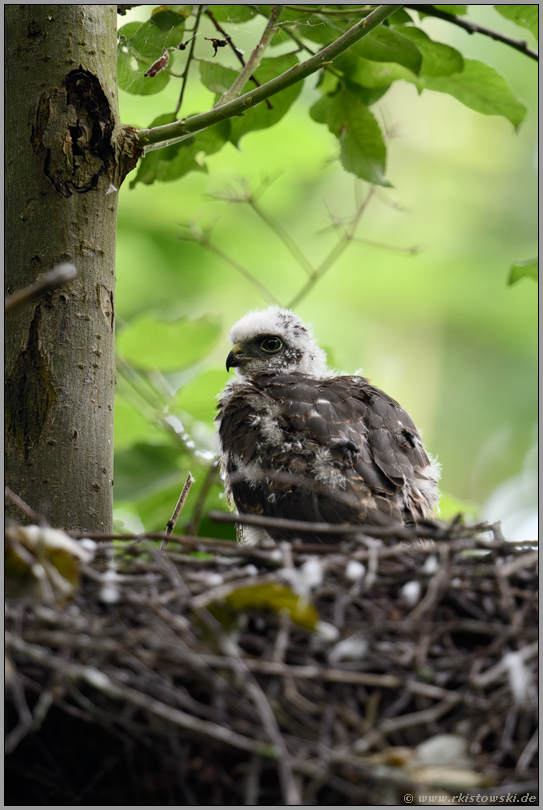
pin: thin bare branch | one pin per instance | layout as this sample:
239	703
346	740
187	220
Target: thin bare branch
254	59
335	253
235	50
475	28
102	683
205	241
27	510
177	511
284	236
185	74
56	277
210	479
410	251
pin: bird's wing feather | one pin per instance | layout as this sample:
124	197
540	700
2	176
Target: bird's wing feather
335	449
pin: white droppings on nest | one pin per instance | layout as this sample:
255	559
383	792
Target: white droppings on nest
355	570
110	593
327	631
304	579
213	580
520	680
353	648
411	592
89	546
57	539
430	565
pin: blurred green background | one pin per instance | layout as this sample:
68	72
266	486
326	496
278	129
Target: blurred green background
439	330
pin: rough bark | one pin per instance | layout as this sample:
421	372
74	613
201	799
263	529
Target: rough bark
66	154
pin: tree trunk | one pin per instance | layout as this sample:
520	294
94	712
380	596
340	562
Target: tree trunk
66	154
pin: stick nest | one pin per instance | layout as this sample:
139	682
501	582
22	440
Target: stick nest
344	675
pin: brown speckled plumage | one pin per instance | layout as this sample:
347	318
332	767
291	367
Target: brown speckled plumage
320	448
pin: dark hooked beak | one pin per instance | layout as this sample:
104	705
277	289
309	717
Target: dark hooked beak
235	357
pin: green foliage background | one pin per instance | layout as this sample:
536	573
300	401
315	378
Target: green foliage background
440	329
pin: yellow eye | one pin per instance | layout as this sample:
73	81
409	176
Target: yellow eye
271	345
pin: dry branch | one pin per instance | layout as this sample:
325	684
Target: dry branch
257	708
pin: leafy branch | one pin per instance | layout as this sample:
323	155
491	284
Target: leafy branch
315	273
254	59
236	52
165	135
185	74
475	28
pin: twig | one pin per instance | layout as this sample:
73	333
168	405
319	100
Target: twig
310	672
528	753
289	786
254	59
185	74
335	253
494	673
475	28
177	511
47	283
237	53
158	137
25	723
102	683
324	10
194	522
303	526
412	251
507	569
252	784
391	724
27	510
206	242
284	236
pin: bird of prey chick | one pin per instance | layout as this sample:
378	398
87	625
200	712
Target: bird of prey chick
299	442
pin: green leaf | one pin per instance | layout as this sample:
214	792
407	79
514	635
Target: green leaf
150	40
319	111
233	14
275	598
314	29
363	150
150	343
216	77
399	17
130	76
526	16
168	17
349	67
437	59
482	89
176	160
374	74
280	37
199	396
139	45
260	117
528	268
143	468
456	10
385	45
